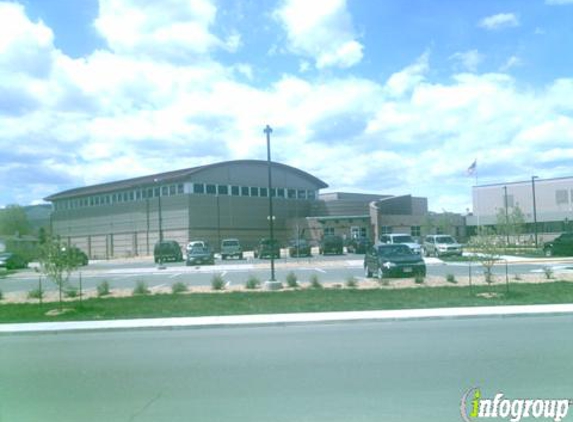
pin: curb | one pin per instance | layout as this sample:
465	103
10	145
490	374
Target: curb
287	319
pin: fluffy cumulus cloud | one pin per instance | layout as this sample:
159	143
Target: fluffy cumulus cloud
499	21
321	30
151	101
171	29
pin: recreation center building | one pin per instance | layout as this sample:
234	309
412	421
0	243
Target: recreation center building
222	200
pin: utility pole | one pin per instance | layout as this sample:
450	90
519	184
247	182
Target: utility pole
534	209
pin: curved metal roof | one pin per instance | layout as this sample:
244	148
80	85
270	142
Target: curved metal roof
171	176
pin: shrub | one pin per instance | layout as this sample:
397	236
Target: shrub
351	282
140	288
252	282
548	271
103	288
36	294
217	282
450	278
178	287
71	292
419	279
292	280
314	282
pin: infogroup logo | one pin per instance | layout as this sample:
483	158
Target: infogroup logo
474	407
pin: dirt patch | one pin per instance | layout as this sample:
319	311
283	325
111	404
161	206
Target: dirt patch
362	284
57	312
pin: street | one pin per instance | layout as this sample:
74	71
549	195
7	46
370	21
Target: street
367	371
125	273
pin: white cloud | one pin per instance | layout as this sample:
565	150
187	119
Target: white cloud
171	29
468	60
26	48
405	80
499	21
118	113
321	30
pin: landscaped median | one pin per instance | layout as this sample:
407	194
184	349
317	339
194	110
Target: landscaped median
329	298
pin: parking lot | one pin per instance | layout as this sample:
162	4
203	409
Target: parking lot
124	273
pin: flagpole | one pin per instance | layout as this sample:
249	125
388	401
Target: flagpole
477	199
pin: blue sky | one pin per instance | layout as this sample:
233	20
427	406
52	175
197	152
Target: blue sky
394	96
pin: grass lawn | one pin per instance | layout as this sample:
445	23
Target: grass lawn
326	300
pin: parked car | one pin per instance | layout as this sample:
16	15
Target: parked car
168	250
266	249
299	247
331	244
358	245
231	248
441	245
78	255
561	245
401	239
392	260
200	255
12	261
193	243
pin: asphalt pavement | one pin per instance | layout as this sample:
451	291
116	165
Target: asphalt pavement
364	371
124	273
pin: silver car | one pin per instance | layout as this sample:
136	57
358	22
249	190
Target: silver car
401	239
441	245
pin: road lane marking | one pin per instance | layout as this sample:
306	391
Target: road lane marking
320	270
175	275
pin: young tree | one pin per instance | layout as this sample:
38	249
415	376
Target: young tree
439	223
517	221
485	244
57	261
502	225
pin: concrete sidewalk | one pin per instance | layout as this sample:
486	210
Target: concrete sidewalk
286	319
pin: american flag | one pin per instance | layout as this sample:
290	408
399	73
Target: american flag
472	169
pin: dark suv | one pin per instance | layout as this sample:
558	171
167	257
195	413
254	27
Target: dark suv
168	250
299	247
561	245
266	249
331	244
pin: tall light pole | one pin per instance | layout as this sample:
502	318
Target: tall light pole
506	216
272	284
159	211
534	208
